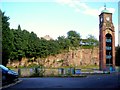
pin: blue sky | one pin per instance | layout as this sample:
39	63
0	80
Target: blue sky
57	17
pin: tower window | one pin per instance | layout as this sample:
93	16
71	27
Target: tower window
108	40
108	48
108	56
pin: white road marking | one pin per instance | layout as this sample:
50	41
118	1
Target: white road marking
12	84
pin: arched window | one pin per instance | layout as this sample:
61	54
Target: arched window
108	38
108	49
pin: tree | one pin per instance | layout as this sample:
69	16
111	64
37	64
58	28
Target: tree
7	39
0	35
19	28
74	38
18	43
92	41
53	47
64	43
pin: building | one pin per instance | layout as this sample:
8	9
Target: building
119	36
107	41
47	37
119	24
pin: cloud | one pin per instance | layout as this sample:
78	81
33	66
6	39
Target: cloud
83	7
77	10
91	11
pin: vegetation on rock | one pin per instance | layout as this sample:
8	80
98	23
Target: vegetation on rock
18	43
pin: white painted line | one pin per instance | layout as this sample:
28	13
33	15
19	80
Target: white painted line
12	84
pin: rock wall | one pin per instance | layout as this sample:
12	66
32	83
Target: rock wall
71	58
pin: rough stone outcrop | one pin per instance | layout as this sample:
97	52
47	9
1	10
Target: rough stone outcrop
72	58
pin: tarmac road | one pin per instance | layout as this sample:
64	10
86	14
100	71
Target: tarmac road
91	81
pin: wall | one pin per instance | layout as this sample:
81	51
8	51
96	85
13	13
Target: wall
80	57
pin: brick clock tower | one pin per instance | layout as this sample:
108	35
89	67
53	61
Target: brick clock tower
106	40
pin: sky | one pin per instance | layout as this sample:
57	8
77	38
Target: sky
57	17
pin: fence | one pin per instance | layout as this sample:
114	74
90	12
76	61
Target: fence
27	72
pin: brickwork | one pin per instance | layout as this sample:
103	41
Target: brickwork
106	27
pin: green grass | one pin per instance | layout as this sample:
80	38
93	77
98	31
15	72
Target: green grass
79	67
89	67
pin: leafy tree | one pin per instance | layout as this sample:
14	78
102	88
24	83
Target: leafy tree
18	43
0	36
7	39
32	44
64	43
74	38
92	41
25	44
53	47
19	27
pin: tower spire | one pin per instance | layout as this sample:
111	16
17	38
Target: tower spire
105	9
105	6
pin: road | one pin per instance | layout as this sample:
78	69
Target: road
91	81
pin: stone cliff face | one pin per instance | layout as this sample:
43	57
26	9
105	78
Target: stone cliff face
72	58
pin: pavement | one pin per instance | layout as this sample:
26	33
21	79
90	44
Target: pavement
91	81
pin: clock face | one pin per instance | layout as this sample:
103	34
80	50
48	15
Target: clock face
108	18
